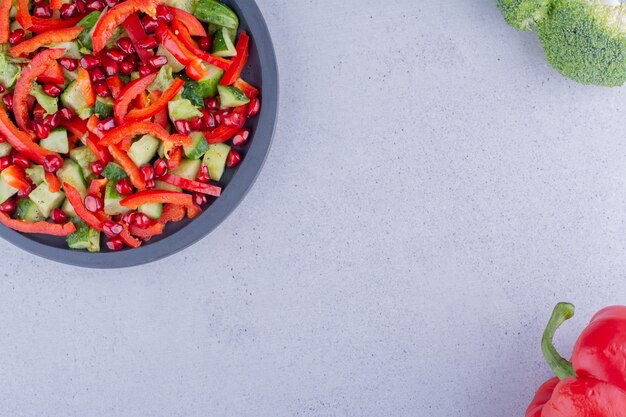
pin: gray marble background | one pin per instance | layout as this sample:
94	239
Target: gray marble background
434	188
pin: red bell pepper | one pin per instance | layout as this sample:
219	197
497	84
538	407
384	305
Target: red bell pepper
97	187
23	14
5	11
56	4
46	38
41	25
161	117
141	101
250	91
193	25
185	38
84	82
131	130
53	74
593	384
43	228
193	64
239	61
127	164
171	213
174	158
116	85
189	185
137	33
76	126
223	132
54	185
34	69
76	200
116	16
16	177
158	104
21	141
92	126
101	152
132	90
128	239
157	196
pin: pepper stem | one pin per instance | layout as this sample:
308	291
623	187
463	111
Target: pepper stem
561	367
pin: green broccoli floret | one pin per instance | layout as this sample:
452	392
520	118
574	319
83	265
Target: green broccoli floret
524	14
585	40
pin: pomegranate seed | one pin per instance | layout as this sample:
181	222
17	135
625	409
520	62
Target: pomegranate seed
115	244
20	160
52	163
96	5
241	138
148	43
17	36
148	172
145	70
195	124
203	174
68	63
116	54
38	2
158	61
2	140
111	3
42	131
26	192
204	43
8	206
126	45
123	186
142	221
182	126
38	113
232	120
81	5
5	161
111	228
97	74
149	24
69	10
208	120
211	103
101	89
58	216
97	167
106	124
42	11
7	99
2	89
133	59
254	107
199	199
52	90
89	62
52	120
110	67
160	168
164	14
126	67
129	218
93	203
150	184
233	159
67	114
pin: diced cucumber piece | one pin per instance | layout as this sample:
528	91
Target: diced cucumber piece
49	104
198	146
209	83
72	49
215	160
182	110
143	150
152	210
217	13
74	98
45	200
36	174
84	157
70	75
88	22
5	149
84	237
160	185
163	79
193	93
112	200
56	141
171	61
72	174
231	96
27	210
68	209
113	172
188	168
104	107
223	44
186	5
9	72
6	191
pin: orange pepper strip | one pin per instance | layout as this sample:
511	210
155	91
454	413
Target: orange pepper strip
54	185
78	204
5	10
158	104
84	82
44	228
118	134
132	90
157	196
15	176
21	141
127	164
115	17
46	38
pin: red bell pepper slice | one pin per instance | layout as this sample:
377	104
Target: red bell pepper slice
239	61
16	177
23	15
92	126
84	82
193	64
162	116
171	213
54	185
250	91
137	33
174	158
127	164
101	152
53	74
97	186
157	196
41	25
56	4
130	130
21	141
189	185
185	38
116	16
148	232
223	132
128	238
46	38
43	228
158	104
5	11
116	85
193	25
141	101
132	90
76	200
77	126
34	69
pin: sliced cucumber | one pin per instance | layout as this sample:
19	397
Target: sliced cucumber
49	104
36	174
69	209
160	185
88	22
6	191
113	172
163	79
152	210
84	157
104	107
27	210
171	61
72	49
9	71
56	141
45	200
223	44
112	200
198	146
5	149
231	96
217	13
215	160
84	238
186	5
208	85
72	174
188	168
182	110
74	98
143	150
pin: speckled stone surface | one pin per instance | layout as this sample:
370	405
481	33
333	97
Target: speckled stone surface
434	188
